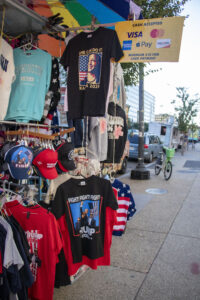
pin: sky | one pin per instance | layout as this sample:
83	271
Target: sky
184	73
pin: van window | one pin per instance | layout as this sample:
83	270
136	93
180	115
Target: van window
163	130
134	139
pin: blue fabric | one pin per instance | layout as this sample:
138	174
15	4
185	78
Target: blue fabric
101	12
120	6
126	191
33	74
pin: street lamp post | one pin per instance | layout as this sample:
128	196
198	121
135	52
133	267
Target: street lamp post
141	172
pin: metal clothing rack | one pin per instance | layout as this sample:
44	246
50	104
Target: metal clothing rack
31	124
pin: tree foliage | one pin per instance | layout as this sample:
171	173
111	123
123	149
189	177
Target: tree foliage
151	9
185	109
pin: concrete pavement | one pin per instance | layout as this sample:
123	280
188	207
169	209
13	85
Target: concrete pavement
158	257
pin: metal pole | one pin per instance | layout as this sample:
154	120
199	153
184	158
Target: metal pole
140	172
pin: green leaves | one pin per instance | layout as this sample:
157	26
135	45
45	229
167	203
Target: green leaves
185	109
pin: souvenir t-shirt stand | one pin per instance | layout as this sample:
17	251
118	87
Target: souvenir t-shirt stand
88	240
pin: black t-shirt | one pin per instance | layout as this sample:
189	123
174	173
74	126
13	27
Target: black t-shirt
88	57
84	202
117	133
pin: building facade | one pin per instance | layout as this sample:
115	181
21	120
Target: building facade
132	93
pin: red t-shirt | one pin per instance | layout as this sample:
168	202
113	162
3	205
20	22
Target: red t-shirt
45	243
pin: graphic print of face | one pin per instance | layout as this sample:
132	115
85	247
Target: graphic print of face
92	62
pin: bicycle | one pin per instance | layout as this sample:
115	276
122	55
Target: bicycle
164	163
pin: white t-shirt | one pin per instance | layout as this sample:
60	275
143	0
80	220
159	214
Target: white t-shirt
7	75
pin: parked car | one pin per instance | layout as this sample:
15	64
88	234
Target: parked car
152	146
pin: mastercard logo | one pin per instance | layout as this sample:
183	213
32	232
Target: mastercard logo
155	33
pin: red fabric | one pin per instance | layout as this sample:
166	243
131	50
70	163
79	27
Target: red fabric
122	211
43	236
46	161
92	263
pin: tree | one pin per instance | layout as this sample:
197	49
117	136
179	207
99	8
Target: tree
151	9
185	109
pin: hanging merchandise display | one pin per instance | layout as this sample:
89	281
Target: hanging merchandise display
44	241
33	74
117	133
118	95
7	75
86	211
88	57
61	213
126	206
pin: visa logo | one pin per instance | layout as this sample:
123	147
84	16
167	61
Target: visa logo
134	34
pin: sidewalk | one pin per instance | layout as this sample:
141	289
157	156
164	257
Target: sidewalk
158	257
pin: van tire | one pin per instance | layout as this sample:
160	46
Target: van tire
150	159
124	166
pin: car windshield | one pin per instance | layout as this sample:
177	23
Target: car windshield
134	139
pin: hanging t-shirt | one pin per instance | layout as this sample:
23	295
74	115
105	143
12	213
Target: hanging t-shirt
97	138
117	133
88	57
45	244
33	74
119	95
80	207
7	75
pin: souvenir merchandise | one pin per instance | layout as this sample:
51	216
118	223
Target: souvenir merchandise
62	120
97	138
4	149
65	156
126	206
80	206
33	74
45	161
88	57
16	276
45	244
7	75
53	95
117	133
19	159
119	95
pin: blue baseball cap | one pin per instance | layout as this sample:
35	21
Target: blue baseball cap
19	159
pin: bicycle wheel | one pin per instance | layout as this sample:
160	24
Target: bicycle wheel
157	169
168	170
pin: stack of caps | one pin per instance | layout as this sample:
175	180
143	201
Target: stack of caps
48	163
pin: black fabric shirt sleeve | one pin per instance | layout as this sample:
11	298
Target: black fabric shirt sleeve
65	59
58	205
116	49
111	200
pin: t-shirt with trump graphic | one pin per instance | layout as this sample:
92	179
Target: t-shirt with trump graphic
88	57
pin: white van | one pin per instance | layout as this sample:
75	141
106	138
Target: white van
168	133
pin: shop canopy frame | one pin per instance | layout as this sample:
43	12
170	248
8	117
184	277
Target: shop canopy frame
18	19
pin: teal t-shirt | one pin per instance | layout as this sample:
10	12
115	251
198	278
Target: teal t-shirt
33	74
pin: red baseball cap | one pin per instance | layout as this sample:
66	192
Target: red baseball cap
45	161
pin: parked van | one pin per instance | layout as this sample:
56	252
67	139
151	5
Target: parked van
168	133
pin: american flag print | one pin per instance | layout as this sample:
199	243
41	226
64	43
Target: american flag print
126	206
83	67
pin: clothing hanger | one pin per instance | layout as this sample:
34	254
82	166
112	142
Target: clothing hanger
30	44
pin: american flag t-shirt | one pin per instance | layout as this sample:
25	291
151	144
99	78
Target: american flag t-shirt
83	67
